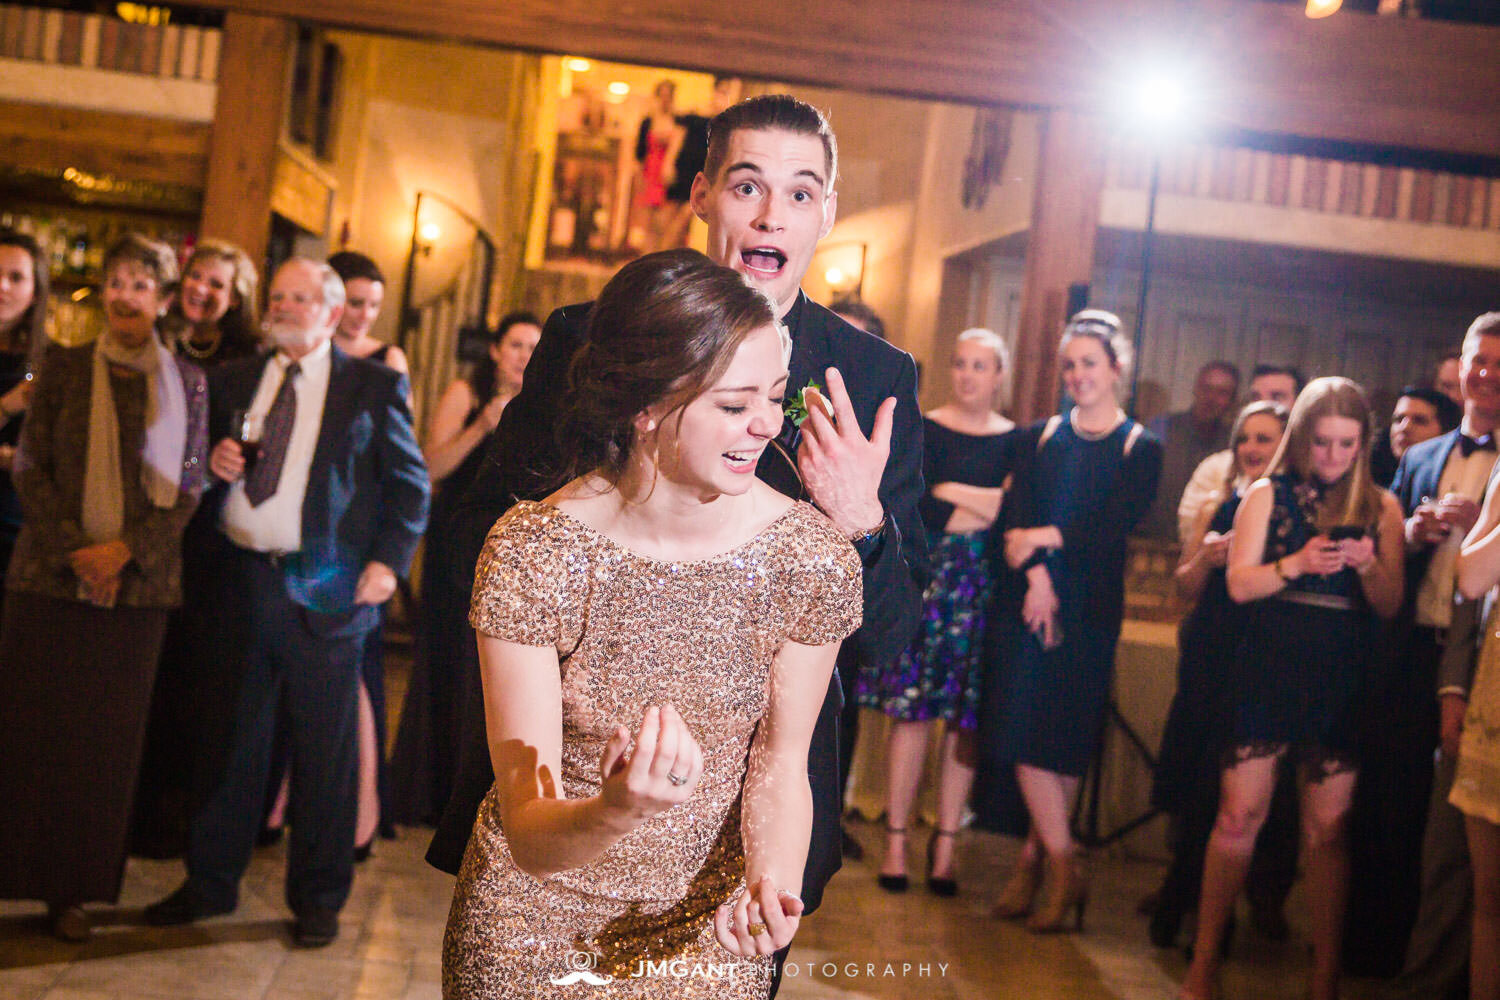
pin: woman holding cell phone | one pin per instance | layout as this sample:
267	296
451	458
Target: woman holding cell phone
1317	549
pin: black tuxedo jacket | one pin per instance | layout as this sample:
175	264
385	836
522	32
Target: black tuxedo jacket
367	490
525	462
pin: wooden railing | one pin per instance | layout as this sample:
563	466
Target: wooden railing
1309	183
94	41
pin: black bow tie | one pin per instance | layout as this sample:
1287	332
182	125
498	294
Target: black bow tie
1469	445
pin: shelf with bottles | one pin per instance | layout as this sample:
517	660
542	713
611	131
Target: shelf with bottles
74	241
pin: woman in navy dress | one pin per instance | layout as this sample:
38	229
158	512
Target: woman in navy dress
1187	771
1318	548
965	459
1081	483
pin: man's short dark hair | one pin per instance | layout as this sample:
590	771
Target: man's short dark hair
1449	413
1288	370
856	309
772	112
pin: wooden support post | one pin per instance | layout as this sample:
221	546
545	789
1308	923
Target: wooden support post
253	82
1059	251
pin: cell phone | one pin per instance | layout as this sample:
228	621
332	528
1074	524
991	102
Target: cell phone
1352	532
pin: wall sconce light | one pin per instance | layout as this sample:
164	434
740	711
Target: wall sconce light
1323	8
428	233
844	267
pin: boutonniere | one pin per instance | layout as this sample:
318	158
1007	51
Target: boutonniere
810	395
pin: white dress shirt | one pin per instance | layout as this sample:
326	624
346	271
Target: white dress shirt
276	524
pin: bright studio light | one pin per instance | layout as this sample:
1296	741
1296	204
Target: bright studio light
834	276
578	65
430	232
1161	100
1322	8
619	88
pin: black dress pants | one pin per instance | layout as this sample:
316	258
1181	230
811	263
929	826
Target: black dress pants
311	679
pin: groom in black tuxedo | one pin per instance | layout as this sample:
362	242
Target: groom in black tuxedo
766	192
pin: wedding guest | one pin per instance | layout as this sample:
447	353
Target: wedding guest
1186	784
364	297
966	458
109	470
1318	546
1476	782
1081	484
1446	378
364	287
23	336
1419	415
213	318
1268	383
332	508
657	814
1188	438
1437	488
1400	718
658	142
428	738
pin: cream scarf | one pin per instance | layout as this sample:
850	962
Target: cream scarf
166	436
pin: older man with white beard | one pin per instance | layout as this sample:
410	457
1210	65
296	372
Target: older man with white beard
320	519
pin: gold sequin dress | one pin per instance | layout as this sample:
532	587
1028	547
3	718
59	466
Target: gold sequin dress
1476	783
633	632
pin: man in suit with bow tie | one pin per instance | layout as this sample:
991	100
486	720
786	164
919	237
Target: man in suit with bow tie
319	524
1415	709
767	194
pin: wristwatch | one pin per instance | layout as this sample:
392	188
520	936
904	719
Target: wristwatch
866	542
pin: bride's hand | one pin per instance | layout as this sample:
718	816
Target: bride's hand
761	921
661	772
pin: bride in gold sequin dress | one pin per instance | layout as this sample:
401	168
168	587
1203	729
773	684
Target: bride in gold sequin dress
656	639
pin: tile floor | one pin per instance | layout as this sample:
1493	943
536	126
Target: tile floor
864	943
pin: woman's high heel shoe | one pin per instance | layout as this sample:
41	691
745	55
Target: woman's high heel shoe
1020	892
893	883
1067	891
945	887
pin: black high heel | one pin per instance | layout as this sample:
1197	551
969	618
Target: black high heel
362	852
945	887
893	883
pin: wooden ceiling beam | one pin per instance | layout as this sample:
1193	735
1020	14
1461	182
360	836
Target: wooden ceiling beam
1263	68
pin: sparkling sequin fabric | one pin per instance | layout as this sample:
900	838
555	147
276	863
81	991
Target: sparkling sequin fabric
633	632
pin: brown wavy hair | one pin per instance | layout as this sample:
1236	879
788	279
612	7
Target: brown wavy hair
1354	499
664	329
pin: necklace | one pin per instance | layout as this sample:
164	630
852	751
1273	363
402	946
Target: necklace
202	352
1116	421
